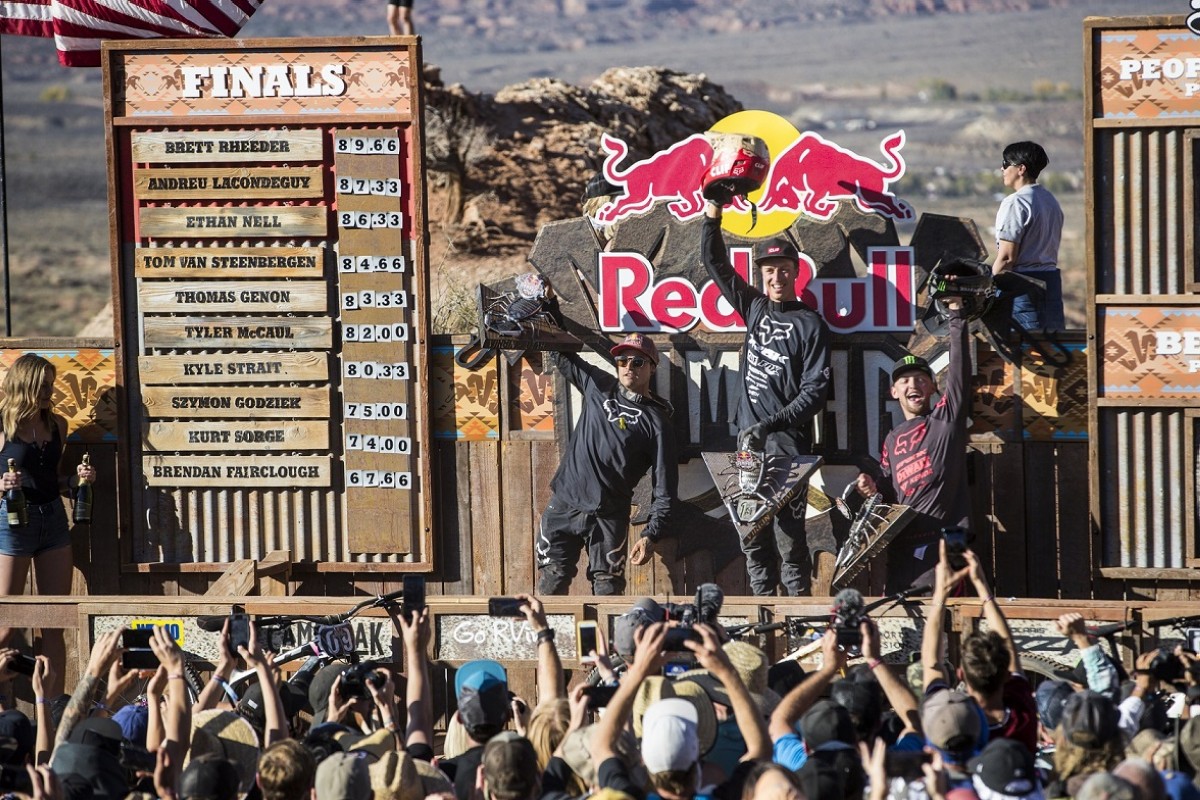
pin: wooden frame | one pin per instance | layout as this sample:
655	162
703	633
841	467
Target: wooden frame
1098	302
399	528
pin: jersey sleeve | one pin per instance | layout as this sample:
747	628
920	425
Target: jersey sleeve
733	286
665	478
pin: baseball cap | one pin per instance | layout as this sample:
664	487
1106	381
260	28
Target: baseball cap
910	363
775	247
343	776
209	777
638	342
952	721
482	690
1089	719
98	732
100	768
321	687
644	611
510	766
1051	697
863	702
134	721
670	738
1005	771
16	726
251	705
827	726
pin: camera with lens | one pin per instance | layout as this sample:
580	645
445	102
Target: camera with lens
846	618
357	677
704	609
1166	667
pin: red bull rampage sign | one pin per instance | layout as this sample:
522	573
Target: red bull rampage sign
810	176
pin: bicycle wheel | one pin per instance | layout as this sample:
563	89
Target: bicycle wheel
1039	669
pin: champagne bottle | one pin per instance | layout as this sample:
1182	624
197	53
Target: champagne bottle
14	501
83	497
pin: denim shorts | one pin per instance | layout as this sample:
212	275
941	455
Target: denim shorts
47	530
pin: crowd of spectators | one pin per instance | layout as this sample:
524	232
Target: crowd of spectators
668	714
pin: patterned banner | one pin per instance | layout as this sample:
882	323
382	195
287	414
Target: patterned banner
994	412
532	390
1151	352
1054	394
85	390
1147	74
465	404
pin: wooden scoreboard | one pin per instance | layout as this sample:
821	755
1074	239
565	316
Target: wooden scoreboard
270	287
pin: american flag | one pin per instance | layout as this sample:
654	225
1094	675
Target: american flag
78	26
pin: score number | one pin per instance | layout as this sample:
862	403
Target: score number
369	298
375	370
371	264
367	145
376	411
396	332
381	187
378	479
370	443
367	220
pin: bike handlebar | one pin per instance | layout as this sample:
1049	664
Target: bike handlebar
214	623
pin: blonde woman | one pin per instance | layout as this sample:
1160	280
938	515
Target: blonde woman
33	437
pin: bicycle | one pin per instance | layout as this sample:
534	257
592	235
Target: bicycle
333	638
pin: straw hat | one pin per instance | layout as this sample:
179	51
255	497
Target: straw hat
225	734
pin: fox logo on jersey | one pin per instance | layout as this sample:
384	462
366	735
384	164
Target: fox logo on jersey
770	330
621	414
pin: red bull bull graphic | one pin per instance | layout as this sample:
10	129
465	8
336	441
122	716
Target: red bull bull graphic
883	301
809	175
672	176
813	173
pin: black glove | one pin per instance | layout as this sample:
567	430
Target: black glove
753	438
718	192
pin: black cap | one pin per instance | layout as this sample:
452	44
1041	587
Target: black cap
98	732
911	363
775	247
1006	767
209	777
827	722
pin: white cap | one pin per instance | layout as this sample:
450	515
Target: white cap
670	738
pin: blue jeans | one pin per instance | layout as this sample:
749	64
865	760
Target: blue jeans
1038	310
47	530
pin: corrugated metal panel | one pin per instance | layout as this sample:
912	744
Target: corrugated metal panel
1145	504
208	525
1139	211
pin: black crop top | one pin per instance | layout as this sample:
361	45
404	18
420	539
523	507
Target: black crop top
38	465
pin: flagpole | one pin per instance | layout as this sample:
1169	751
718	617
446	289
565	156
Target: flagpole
4	207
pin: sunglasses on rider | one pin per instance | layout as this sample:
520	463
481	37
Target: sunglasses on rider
1006	164
637	362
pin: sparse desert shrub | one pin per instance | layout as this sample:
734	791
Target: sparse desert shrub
55	93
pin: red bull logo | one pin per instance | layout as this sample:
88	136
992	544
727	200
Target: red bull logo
672	176
809	175
813	173
632	300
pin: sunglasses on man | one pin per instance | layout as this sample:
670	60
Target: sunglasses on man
637	362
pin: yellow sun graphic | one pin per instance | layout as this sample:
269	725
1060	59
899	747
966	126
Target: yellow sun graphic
778	133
